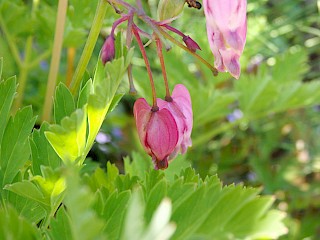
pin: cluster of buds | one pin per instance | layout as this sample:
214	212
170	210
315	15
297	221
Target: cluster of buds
164	128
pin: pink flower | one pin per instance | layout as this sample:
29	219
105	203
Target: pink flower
165	132
181	108
226	28
108	50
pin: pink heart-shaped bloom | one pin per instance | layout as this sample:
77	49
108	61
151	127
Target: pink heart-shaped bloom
166	132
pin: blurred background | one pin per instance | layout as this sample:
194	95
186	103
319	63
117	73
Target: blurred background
262	130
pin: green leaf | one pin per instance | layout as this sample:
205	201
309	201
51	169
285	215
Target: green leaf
63	103
69	138
29	190
7	91
85	93
60	228
42	153
114	211
27	208
12	226
15	149
84	222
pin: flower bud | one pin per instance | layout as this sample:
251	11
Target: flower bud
170	8
108	50
191	44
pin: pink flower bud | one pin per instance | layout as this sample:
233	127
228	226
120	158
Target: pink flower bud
166	132
191	44
108	50
226	28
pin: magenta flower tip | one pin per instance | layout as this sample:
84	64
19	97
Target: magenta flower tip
108	50
191	44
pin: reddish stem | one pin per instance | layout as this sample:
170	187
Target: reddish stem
163	68
145	58
172	29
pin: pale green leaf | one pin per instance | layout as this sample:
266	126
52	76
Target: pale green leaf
69	138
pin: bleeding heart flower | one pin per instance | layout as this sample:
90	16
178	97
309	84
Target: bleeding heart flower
157	130
165	132
226	28
181	109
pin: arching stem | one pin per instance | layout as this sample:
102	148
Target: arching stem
163	68
144	55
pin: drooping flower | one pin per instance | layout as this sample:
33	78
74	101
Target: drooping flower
180	107
165	132
226	28
158	132
108	49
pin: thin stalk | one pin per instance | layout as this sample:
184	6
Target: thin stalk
55	59
163	68
89	46
144	55
40	58
13	47
71	53
173	40
23	75
132	89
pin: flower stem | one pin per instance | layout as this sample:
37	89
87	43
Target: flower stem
173	40
89	46
23	76
13	47
71	53
144	55
55	59
163	68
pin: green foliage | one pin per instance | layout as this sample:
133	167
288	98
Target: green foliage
49	190
14	146
14	227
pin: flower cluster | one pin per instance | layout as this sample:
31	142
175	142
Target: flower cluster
164	128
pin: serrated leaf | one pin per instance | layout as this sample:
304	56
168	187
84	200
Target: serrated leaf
69	138
84	223
63	103
85	93
12	226
7	91
29	209
114	211
28	190
15	149
60	226
42	153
